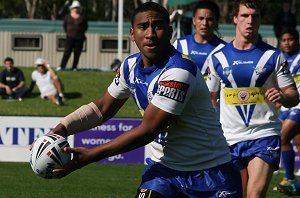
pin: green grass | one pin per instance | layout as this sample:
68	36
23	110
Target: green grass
94	180
81	87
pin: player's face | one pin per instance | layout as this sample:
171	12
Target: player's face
41	69
152	35
288	43
205	23
9	65
247	22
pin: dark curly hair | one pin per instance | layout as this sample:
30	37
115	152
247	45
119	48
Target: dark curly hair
151	6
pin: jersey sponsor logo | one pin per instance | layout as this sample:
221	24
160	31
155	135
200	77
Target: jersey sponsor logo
227	71
244	96
239	62
173	89
193	52
140	81
117	78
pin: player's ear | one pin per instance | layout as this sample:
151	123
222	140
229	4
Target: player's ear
131	34
234	20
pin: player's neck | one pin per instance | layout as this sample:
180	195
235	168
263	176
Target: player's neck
243	43
203	39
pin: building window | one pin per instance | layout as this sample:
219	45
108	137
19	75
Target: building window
110	44
27	42
61	42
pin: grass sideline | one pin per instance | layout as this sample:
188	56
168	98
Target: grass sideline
95	180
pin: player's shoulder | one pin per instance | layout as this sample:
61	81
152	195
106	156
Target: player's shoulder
263	46
222	47
217	41
131	59
181	61
187	37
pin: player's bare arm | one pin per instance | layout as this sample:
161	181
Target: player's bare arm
214	98
154	121
287	96
84	119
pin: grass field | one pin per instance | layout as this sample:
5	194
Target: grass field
17	180
95	180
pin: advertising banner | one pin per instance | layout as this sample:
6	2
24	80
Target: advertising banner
18	132
107	132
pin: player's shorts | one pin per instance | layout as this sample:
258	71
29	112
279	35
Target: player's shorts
220	181
292	114
267	148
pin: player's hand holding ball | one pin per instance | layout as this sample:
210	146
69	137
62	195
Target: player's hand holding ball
47	153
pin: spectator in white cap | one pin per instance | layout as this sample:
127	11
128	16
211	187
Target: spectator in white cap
47	82
75	25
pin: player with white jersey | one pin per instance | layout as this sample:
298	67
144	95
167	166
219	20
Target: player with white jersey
176	89
289	42
252	77
190	155
201	44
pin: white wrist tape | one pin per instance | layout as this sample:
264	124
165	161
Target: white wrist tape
86	117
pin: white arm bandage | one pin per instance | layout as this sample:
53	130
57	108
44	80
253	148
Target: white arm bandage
86	117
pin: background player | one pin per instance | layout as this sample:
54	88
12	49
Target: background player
289	42
178	118
252	77
198	46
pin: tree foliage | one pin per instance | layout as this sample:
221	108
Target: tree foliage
99	10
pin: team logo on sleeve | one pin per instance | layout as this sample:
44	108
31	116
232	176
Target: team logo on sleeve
117	78
173	89
285	67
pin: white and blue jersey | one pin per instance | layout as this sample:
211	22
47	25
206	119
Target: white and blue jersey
243	76
294	65
195	140
198	51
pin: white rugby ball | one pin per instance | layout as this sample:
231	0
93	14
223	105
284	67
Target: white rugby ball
46	155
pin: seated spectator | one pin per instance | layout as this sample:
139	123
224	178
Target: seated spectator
12	81
47	81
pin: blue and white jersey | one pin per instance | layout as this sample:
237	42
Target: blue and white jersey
294	65
195	140
198	51
243	76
